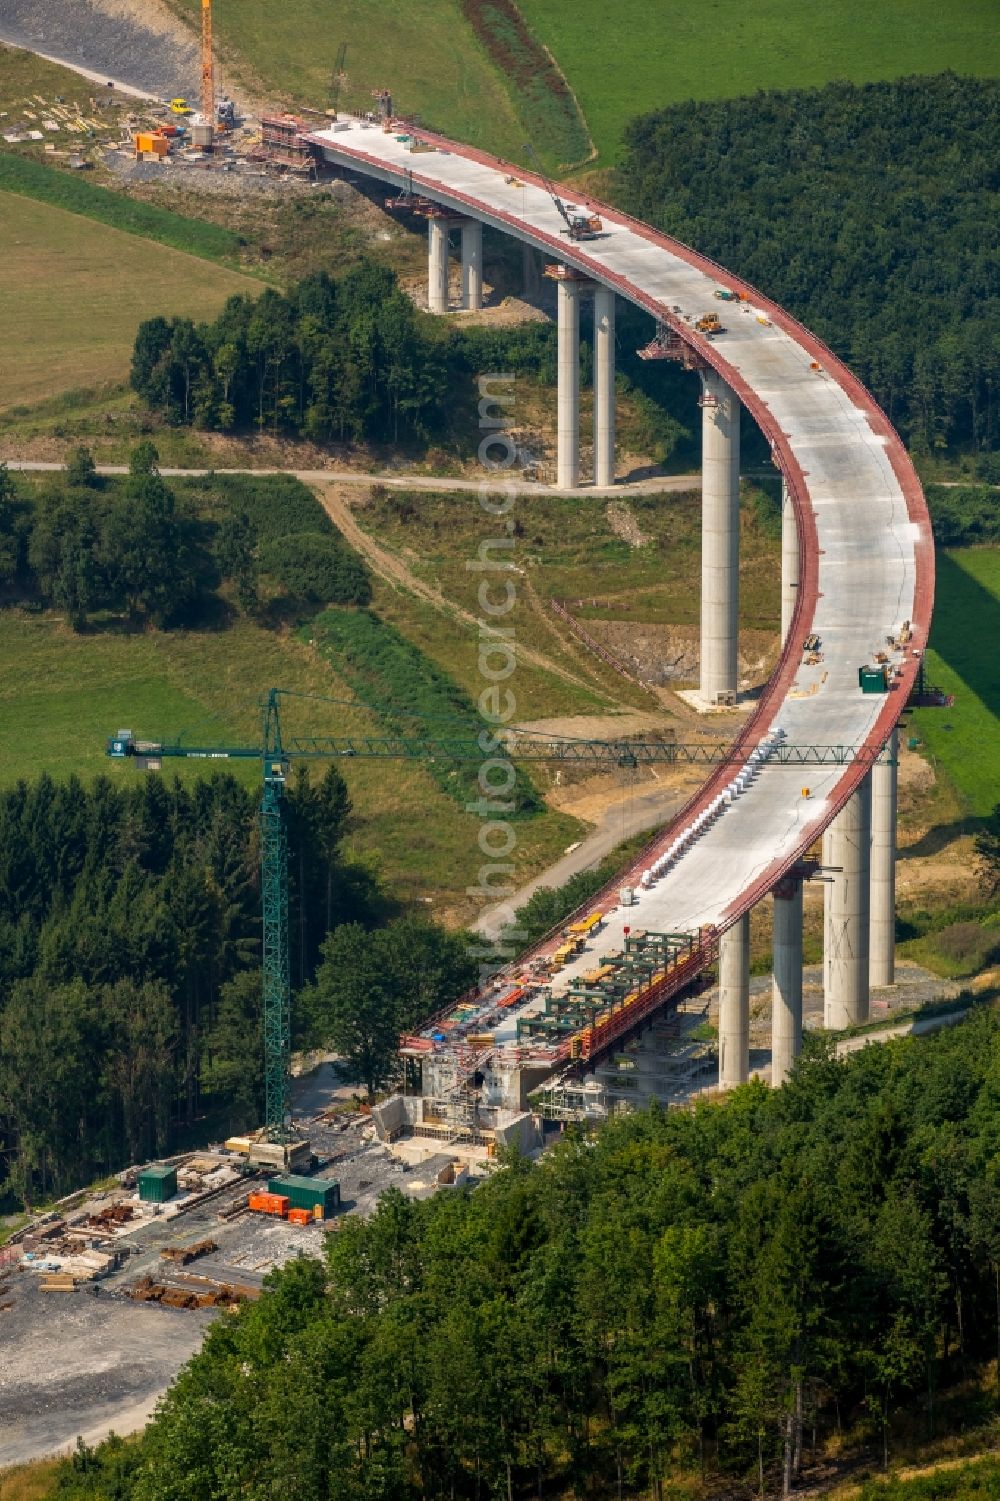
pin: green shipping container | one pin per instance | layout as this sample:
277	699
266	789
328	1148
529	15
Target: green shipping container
157	1184
306	1193
873	680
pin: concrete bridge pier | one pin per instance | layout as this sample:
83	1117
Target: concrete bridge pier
789	562
846	849
882	953
720	540
786	987
604	386
734	1004
437	264
568	394
472	264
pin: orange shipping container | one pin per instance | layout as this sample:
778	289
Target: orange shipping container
299	1217
146	141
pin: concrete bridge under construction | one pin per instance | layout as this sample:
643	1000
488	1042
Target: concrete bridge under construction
857	574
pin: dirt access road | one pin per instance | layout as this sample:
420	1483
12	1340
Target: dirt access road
631	812
393	480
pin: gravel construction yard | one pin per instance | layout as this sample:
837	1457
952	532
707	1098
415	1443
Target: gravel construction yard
142	46
74	1364
81	1363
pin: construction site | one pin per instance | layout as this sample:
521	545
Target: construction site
106	1294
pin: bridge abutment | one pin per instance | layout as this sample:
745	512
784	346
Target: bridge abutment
734	1004
846	851
720	540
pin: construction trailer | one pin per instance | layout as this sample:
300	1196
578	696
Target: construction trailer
320	1196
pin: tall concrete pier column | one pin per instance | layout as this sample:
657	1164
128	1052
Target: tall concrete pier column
568	373
845	957
472	264
734	1005
786	988
789	562
437	265
604	386
882	950
720	539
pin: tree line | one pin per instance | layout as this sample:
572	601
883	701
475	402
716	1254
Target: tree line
722	1289
349	361
93	546
869	211
130	986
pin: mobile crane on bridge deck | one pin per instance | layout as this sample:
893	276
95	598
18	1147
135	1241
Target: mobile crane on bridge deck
274	752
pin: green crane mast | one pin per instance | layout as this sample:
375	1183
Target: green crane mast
274	753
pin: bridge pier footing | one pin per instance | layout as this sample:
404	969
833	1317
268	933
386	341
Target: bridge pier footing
846	912
568	392
604	386
882	950
786	987
720	540
789	562
734	1004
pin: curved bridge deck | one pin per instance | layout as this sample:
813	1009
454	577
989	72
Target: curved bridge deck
866	555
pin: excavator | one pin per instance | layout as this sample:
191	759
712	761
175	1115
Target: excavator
579	225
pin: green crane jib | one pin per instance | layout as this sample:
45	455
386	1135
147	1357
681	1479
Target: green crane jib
274	753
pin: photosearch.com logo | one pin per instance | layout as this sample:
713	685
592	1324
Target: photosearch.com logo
496	597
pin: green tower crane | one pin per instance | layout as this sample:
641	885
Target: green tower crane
274	752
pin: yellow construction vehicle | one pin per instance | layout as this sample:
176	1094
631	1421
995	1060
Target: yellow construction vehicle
181	107
710	323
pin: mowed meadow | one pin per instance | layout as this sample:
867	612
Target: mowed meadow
655	55
446	66
963	660
73	293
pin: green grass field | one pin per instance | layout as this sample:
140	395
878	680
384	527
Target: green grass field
965	740
63	695
640	57
424	51
78	196
619	64
73	293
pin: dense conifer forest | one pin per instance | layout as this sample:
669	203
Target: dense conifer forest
349	361
720	1289
869	212
130	986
